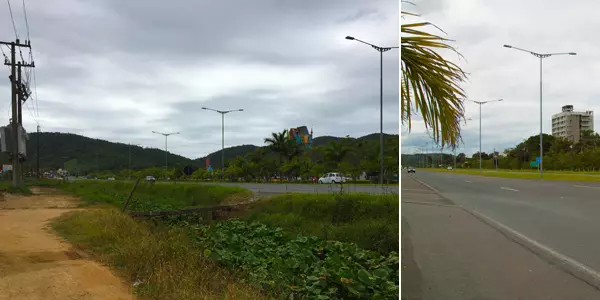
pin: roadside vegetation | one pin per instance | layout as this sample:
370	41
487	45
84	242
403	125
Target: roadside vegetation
370	221
153	197
294	266
161	262
305	246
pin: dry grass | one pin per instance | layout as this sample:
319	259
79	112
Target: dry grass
160	262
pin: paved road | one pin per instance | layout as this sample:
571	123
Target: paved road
564	216
274	188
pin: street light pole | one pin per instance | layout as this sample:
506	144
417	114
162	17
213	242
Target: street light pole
223	112
130	159
541	56
381	50
166	135
480	104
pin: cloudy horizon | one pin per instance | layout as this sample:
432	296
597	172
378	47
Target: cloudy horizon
480	29
117	70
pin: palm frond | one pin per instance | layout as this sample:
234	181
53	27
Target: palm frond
430	84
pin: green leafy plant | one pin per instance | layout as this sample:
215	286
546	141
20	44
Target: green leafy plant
300	266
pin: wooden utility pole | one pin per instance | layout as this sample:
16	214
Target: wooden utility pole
17	95
37	164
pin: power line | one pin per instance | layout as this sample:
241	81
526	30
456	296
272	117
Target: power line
26	21
37	111
12	19
31	113
28	73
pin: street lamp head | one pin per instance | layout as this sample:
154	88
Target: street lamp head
500	99
350	38
508	46
241	109
572	53
204	108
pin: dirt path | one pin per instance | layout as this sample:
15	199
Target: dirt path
37	264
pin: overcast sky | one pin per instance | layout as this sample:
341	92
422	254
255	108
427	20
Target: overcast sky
117	70
481	28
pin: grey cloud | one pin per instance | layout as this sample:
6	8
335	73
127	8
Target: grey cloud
101	68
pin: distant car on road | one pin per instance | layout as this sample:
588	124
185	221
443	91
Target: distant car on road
111	178
150	179
332	178
411	170
449	168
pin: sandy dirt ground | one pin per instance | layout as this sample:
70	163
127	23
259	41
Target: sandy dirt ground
37	264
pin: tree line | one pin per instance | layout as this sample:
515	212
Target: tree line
559	154
283	159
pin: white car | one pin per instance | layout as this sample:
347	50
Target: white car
111	178
332	178
150	179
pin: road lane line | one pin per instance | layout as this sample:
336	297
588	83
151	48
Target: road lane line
509	189
570	265
469	181
585	186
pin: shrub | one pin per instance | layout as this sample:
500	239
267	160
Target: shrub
370	221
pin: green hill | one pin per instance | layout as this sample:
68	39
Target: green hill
92	155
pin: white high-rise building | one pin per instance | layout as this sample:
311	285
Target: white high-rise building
569	124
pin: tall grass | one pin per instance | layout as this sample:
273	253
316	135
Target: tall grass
370	221
149	197
162	261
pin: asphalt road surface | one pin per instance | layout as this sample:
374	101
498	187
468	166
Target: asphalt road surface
274	188
563	216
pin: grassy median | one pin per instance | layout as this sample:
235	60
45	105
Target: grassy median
161	261
526	174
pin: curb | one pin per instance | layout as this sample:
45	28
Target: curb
563	262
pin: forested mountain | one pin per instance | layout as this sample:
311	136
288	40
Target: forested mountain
91	155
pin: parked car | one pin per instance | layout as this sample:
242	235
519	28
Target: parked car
150	179
411	170
449	168
332	178
111	178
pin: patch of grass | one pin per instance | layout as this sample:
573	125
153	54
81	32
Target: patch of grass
152	197
370	221
7	187
23	190
164	261
527	174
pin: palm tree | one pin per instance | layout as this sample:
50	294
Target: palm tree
335	152
430	83
278	143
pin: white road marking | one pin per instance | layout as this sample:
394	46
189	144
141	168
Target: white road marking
469	181
585	186
561	257
509	189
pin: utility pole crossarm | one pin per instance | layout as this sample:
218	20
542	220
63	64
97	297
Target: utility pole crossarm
17	44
